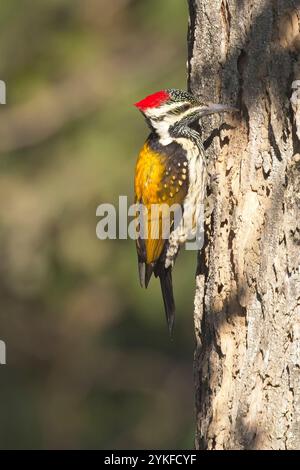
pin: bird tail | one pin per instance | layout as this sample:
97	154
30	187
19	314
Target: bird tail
145	273
165	277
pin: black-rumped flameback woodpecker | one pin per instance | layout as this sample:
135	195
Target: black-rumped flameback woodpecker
170	170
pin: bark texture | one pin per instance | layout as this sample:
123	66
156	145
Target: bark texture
247	303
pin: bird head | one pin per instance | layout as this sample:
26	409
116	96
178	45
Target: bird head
166	103
166	108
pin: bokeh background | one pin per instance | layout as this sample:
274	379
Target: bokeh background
89	360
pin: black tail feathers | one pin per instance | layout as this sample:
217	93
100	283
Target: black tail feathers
145	273
165	277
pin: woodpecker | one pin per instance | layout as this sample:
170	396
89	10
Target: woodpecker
170	169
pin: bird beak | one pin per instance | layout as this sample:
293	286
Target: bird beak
217	108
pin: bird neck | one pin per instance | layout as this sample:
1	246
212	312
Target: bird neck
161	128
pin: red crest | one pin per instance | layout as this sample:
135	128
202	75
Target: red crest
152	101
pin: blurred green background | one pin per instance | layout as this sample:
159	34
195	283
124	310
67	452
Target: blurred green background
89	360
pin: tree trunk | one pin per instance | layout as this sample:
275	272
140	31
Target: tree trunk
247	303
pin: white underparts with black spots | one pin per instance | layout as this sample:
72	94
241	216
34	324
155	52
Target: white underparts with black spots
193	202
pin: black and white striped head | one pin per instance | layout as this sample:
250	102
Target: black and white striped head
166	108
166	103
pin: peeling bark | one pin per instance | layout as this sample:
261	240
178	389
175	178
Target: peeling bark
247	303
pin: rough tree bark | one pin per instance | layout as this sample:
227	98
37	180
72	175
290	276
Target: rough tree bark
247	303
